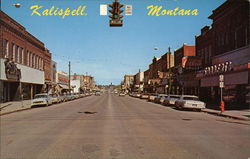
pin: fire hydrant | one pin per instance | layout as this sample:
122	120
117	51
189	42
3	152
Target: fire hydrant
222	106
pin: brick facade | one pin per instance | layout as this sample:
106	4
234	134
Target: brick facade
20	46
185	50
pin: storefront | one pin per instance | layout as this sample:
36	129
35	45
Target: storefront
18	81
235	90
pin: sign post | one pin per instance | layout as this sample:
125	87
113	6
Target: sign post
222	104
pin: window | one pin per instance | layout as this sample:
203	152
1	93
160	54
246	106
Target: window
42	64
27	58
21	55
235	39
12	51
16	53
5	47
209	53
33	60
246	36
30	59
37	62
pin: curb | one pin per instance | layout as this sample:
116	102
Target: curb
225	115
15	111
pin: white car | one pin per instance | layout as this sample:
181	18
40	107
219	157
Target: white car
55	99
144	96
121	94
191	102
151	97
164	97
42	99
158	98
170	99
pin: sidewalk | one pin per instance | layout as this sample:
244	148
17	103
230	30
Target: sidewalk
10	107
236	114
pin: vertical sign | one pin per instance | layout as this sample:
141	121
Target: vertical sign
103	9
128	10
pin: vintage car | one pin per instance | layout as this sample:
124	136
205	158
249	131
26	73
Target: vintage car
42	99
170	99
190	102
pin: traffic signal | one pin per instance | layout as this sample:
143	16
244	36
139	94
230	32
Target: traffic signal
116	17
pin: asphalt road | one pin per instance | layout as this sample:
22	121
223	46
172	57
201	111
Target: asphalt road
113	127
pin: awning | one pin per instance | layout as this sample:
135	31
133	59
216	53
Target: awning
64	86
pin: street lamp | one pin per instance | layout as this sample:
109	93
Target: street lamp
166	88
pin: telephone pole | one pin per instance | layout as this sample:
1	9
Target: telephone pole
69	78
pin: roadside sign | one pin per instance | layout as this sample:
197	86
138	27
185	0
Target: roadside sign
221	78
103	9
221	84
128	10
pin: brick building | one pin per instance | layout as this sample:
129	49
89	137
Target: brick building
184	81
138	82
158	72
185	50
87	82
25	63
128	82
224	49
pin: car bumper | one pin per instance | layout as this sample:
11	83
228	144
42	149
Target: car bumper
42	103
191	106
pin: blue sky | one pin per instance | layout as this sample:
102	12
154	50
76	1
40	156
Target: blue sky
108	53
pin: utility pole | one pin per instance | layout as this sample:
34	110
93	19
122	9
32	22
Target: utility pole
169	65
69	78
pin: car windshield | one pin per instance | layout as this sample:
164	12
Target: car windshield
191	98
40	96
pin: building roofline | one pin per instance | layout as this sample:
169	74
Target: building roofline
2	13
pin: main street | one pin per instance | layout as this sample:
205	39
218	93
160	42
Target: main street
113	127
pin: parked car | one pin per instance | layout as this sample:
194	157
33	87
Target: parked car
170	100
60	98
151	97
69	97
163	98
82	95
65	97
55	99
138	95
190	102
42	99
97	93
144	96
121	94
87	94
132	94
158	98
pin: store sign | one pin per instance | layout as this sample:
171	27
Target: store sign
219	68
11	70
